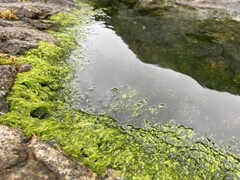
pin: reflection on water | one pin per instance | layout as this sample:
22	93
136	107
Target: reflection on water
208	50
214	8
117	83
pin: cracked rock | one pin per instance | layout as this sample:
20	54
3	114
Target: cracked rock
21	158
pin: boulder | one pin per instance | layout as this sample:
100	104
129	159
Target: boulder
18	40
31	158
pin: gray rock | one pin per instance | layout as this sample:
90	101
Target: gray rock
3	105
17	37
64	3
7	77
24	68
56	162
31	170
6	23
12	149
22	158
17	40
41	24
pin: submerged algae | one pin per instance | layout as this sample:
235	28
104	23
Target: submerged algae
38	107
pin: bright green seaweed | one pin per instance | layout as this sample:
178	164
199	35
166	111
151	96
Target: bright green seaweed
38	105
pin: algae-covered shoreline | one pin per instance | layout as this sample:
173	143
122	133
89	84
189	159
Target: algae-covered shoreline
39	107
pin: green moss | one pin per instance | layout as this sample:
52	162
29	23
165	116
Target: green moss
38	106
65	19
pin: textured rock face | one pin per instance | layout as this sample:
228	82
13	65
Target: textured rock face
23	33
22	158
66	3
16	40
56	162
18	36
11	148
7	76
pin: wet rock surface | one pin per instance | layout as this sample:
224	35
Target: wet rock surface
23	158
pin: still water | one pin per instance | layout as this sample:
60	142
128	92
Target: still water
114	81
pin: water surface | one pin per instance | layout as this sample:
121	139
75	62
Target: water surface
207	49
115	82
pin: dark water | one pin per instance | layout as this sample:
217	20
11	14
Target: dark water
116	80
180	39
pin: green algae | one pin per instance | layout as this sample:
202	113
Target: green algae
38	105
65	20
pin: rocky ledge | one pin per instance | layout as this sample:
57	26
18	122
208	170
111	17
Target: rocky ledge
30	158
21	29
21	25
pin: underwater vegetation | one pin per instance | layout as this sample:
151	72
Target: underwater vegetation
39	106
